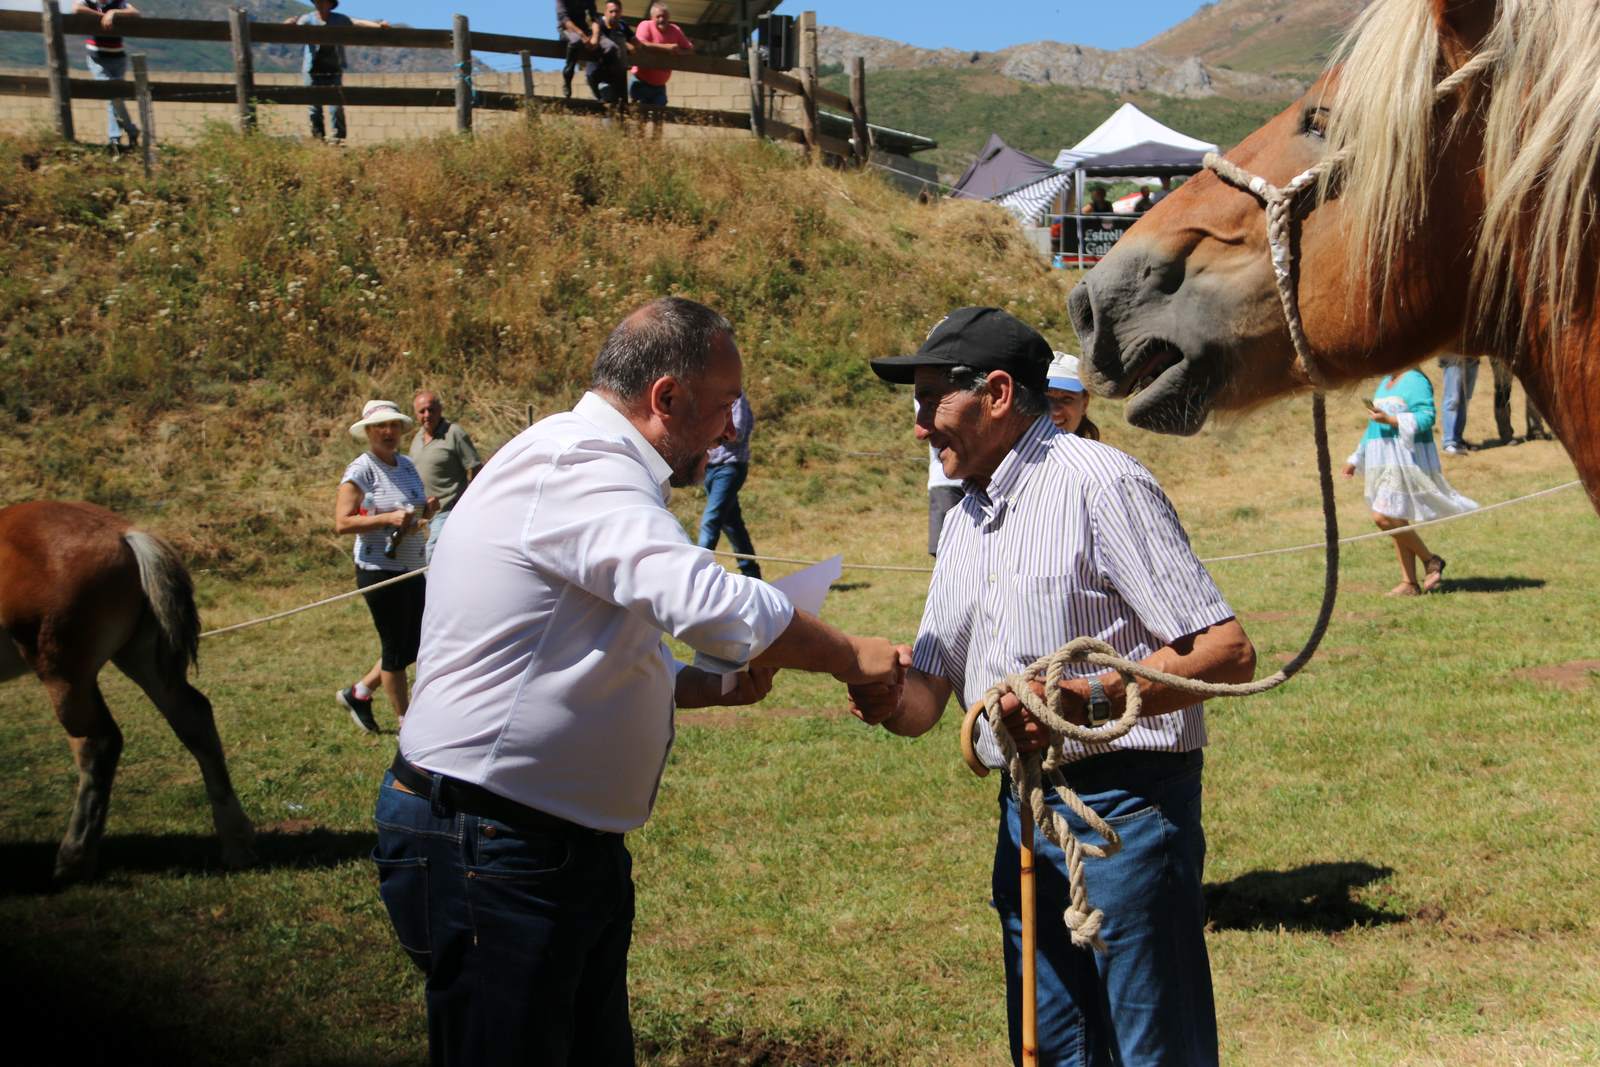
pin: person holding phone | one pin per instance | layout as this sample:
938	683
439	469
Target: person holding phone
1404	481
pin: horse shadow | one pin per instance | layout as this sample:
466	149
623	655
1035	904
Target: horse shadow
1317	897
26	866
1487	584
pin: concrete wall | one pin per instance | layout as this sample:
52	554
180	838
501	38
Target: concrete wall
180	122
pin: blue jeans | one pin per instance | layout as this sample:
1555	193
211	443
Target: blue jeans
645	93
1147	999
113	67
523	935
1460	378
722	514
435	525
314	111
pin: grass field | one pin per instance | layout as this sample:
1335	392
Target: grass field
1402	842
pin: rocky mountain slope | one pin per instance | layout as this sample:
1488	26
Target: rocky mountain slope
1076	66
1289	37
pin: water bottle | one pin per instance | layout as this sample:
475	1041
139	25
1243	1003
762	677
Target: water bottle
392	544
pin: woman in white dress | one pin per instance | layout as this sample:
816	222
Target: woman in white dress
1405	483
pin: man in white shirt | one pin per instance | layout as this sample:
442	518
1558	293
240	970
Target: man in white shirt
545	694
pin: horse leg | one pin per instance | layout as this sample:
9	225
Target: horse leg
96	746
188	712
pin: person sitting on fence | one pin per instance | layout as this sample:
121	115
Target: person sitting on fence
109	63
1098	204
575	20
659	34
324	63
1144	203
610	39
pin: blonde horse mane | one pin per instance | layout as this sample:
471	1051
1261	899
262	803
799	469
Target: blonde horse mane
1539	105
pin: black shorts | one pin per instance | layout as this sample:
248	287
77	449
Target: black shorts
397	613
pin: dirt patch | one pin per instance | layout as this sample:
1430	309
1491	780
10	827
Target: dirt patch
1573	676
702	1048
289	826
751	716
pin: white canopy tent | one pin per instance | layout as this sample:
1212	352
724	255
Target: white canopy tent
1127	126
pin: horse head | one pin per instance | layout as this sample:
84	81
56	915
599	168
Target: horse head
1184	316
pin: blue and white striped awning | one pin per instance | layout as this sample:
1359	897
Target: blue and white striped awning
1031	202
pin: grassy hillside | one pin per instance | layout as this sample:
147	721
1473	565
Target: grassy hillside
219	326
26	50
1291	37
961	108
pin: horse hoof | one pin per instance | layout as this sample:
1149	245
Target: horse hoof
74	866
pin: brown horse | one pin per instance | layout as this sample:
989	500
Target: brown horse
79	586
1458	216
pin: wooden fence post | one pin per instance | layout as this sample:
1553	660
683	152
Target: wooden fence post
462	38
758	111
55	51
858	109
244	74
808	78
147	112
527	73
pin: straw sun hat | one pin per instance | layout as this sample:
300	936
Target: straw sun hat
375	412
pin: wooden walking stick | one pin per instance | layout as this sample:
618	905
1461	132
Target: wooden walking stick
1030	984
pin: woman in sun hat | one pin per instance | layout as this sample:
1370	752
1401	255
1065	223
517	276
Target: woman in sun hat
1405	483
382	501
1068	400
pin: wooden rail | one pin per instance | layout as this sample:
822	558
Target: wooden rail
246	93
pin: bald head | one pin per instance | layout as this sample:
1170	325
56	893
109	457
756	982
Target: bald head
429	412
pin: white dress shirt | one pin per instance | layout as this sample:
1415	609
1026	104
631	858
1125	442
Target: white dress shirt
542	675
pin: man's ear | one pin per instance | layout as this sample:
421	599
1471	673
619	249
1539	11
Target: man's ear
1002	393
666	396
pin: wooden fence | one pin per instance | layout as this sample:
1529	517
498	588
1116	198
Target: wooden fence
461	41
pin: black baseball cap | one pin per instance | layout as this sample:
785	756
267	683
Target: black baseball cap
982	338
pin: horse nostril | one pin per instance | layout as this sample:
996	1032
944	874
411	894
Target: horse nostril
1080	309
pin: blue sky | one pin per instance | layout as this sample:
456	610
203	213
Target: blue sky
927	23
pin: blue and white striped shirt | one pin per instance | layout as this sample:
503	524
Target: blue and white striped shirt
1070	538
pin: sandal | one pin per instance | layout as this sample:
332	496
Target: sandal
1435	574
1405	589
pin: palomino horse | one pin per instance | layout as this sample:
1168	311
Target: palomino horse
79	586
1456	209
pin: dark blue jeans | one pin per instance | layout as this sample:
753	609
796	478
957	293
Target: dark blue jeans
314	111
722	514
523	936
1147	999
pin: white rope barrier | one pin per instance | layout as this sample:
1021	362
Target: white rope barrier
889	567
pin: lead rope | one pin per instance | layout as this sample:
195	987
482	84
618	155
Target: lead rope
1028	773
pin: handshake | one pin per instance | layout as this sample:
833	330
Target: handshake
808	644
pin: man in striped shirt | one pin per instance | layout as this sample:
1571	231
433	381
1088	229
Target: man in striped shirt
1056	537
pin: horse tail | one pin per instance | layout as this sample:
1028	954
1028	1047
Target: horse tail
170	593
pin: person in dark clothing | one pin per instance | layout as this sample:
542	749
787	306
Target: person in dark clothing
610	39
574	22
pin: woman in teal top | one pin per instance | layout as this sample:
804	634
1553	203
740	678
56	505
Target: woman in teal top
1405	483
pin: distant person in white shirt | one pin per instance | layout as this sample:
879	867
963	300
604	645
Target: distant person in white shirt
545	696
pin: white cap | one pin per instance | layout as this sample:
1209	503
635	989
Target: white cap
1063	373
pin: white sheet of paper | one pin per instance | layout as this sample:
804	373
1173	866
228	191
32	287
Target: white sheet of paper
806	590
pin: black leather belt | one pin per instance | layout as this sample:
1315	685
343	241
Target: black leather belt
1109	770
449	795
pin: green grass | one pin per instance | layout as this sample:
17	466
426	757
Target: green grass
1401	841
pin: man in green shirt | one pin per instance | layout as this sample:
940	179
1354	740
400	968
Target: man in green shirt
444	456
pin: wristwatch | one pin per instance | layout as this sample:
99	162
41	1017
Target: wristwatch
1098	709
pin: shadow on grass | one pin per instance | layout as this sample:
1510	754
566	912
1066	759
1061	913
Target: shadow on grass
1316	897
1487	584
26	867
